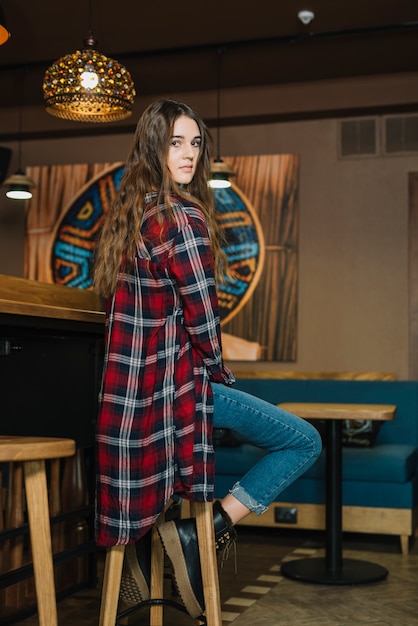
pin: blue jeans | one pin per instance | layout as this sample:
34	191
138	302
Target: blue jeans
292	443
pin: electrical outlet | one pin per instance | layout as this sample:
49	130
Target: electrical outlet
285	515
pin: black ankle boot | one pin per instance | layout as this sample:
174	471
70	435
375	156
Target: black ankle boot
179	539
136	573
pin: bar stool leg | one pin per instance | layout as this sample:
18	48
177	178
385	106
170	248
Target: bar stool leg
111	585
40	535
203	513
157	576
157	572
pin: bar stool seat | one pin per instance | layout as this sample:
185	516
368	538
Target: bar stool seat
203	513
32	452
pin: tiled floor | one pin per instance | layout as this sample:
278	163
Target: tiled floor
259	596
392	602
256	554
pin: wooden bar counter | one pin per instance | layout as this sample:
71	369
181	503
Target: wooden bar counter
22	297
51	350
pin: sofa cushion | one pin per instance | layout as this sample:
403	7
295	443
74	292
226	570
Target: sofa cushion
382	463
354	493
385	463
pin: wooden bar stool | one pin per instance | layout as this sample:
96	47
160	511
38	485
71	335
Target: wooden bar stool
33	451
203	513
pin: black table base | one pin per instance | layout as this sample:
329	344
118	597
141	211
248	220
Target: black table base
352	572
333	569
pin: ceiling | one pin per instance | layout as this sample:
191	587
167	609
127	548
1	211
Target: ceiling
173	47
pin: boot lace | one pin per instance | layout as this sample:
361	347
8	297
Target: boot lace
223	548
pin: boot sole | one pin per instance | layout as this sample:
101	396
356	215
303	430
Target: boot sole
172	545
133	587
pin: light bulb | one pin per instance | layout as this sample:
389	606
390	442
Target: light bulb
306	16
89	79
219	183
19	194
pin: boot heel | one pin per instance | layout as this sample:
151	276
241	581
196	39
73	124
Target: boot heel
179	540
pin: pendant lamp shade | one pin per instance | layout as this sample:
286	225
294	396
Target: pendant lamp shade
4	31
19	186
220	174
88	86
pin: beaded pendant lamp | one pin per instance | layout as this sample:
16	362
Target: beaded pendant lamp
88	86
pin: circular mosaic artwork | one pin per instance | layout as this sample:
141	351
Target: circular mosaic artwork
72	251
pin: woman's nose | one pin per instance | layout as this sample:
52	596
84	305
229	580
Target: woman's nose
188	151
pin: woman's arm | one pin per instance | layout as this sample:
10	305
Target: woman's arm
192	266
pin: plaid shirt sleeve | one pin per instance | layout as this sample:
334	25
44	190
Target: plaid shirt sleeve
192	266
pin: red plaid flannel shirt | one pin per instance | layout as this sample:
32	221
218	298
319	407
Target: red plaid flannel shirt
163	347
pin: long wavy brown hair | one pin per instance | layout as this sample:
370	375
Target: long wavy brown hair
146	170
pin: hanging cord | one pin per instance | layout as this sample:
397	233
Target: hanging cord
24	70
220	50
90	42
19	147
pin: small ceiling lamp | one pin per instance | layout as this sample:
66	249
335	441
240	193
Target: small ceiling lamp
4	32
306	16
18	184
87	86
220	171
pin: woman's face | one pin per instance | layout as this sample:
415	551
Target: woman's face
184	150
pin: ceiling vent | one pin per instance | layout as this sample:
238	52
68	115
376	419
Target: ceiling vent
358	138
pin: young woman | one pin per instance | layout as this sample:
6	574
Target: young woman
164	381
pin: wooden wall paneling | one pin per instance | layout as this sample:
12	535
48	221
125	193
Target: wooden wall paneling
270	182
56	185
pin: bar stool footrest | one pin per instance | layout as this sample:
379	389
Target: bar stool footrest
155	602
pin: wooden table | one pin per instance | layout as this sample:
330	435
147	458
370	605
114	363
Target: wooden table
333	569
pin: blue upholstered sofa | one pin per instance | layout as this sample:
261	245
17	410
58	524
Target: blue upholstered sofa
380	483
